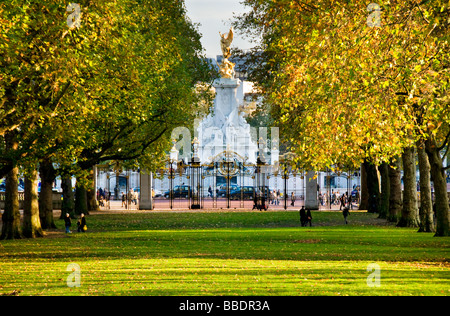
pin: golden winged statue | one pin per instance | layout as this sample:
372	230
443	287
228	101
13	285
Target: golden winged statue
226	67
225	43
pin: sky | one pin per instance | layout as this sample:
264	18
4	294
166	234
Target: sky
215	16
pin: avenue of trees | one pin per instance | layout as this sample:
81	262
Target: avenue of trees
351	84
86	83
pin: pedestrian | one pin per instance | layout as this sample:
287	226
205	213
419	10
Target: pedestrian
292	199
130	196
308	217
255	201
101	202
346	213
67	223
210	191
278	197
124	203
302	216
263	203
82	227
342	202
134	196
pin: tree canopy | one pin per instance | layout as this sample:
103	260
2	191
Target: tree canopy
93	81
343	88
350	83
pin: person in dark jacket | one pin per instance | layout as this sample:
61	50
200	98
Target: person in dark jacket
308	218
345	213
82	227
303	216
342	200
255	202
67	223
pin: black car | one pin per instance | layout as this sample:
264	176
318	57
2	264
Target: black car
179	191
246	192
223	189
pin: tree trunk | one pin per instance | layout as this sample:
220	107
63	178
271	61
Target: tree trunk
80	200
385	191
47	174
440	188
11	216
364	204
409	216
31	222
395	197
373	187
426	204
68	203
91	194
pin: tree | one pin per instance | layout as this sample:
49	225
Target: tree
426	206
110	86
31	221
344	89
11	217
385	190
410	213
395	190
47	174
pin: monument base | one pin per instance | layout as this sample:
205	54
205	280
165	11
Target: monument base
226	128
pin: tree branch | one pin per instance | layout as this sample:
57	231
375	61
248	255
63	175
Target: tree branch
444	143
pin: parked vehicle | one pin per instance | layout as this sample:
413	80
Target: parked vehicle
246	192
179	191
223	189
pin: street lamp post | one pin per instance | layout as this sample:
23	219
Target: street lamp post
285	162
261	170
196	177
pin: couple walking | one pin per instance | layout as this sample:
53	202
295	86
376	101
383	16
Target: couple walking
305	217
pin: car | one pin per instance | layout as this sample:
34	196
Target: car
179	191
157	193
223	189
246	192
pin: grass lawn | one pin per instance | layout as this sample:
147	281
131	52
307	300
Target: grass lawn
228	253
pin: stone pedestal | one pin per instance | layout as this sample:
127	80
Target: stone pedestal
146	199
311	201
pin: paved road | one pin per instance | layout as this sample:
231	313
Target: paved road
220	204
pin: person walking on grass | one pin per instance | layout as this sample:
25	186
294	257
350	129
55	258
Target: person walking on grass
303	216
82	227
308	218
346	213
342	199
67	223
